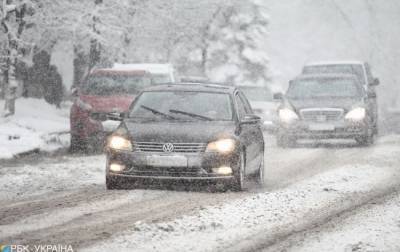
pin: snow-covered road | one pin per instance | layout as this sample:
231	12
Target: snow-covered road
62	200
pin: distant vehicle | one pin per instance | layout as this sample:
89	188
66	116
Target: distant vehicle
325	106
161	73
106	92
263	104
361	69
187	132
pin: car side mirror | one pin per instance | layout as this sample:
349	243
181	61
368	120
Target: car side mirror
115	116
250	119
375	82
278	96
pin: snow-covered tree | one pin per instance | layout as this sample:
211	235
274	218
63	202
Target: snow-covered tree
13	15
235	47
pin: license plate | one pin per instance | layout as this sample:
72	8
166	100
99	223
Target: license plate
321	127
167	161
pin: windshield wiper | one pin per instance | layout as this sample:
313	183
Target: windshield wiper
191	114
156	112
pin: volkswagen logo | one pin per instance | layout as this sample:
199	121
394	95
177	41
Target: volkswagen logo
168	147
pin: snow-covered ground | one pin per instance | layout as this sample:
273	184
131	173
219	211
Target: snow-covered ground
374	227
35	126
263	217
63	200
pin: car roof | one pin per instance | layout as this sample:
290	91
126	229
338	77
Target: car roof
197	87
328	75
151	68
339	62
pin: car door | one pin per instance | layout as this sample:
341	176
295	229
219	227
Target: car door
251	135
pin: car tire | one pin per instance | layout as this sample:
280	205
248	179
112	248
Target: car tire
77	144
284	141
260	173
239	180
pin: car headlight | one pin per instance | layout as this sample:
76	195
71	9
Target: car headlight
356	114
287	115
120	143
222	146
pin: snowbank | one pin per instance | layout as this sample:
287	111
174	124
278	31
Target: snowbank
36	125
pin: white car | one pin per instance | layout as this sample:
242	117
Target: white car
161	73
263	105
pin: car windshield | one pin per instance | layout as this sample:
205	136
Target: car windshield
104	85
183	105
355	69
323	88
257	93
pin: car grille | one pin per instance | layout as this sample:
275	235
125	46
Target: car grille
163	171
321	115
177	147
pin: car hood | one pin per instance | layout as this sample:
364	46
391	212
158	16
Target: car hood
108	104
183	132
343	103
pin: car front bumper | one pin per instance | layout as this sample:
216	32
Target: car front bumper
199	166
334	130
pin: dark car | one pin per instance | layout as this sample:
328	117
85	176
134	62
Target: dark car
361	70
325	106
187	132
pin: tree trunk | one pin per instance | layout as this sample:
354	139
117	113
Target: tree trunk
16	15
95	46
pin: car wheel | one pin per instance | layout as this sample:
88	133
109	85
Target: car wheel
260	173
284	141
77	144
239	183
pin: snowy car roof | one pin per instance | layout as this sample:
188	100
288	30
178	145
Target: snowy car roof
341	62
151	68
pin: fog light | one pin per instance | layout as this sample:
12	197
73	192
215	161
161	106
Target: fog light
117	167
223	170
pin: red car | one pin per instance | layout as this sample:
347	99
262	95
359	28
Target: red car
103	93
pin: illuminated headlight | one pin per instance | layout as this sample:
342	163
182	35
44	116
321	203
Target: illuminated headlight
222	146
119	143
357	114
287	115
223	170
117	167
